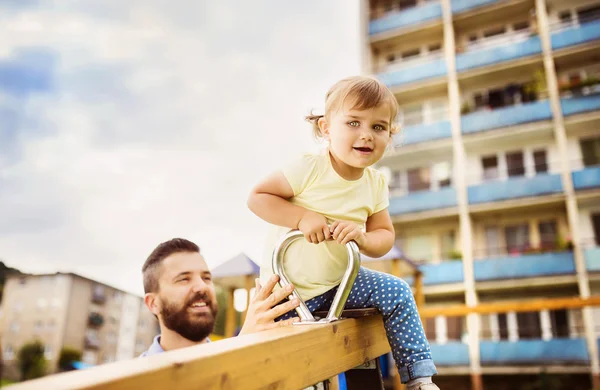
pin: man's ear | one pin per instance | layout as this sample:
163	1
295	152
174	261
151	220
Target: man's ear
152	303
324	127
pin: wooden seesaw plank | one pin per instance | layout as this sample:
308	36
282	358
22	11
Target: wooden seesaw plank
291	357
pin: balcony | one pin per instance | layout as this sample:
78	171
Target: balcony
515	188
423	133
521	48
423	201
506	116
405	18
95	319
587	178
580	104
592	259
534	352
453	353
459	6
524	266
575	35
417	72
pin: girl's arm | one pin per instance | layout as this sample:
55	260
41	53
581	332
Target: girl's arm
380	235
269	200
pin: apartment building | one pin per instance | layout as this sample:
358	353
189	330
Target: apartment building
495	177
68	310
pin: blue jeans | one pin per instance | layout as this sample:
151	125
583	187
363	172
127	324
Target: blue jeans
394	300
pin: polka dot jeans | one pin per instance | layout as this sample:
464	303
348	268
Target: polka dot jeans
394	300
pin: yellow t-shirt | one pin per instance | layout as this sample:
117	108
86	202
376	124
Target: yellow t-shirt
315	269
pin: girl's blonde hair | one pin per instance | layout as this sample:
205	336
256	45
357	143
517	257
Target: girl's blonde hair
365	92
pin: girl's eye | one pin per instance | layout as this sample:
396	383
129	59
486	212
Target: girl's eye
379	128
353	123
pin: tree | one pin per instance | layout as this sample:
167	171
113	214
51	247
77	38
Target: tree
32	363
68	356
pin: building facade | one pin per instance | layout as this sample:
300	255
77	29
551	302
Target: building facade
68	310
495	176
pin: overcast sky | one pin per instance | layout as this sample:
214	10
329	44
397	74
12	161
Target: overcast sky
126	123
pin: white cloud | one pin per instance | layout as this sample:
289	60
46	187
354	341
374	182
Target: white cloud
162	119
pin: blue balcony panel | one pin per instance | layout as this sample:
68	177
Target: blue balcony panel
435	68
422	201
423	133
576	35
514	188
446	272
405	18
524	266
506	116
494	55
465	5
534	351
453	353
592	259
580	104
586	178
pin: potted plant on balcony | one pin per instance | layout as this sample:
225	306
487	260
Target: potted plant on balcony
465	108
455	255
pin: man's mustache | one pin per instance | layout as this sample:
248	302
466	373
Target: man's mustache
200	296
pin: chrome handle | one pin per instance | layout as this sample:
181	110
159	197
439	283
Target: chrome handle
339	300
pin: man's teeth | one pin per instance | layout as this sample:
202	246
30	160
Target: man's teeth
199	304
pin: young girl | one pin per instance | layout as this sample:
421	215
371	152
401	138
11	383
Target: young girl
336	197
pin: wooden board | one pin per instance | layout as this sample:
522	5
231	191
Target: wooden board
291	357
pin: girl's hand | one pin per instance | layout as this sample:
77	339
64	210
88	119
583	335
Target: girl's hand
314	226
343	232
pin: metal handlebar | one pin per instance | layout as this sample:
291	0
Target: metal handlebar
337	306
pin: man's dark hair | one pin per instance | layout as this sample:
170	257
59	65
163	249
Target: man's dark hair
161	252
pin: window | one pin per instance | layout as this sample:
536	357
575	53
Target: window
596	224
418	179
559	320
48	352
442	174
455	328
410	54
565	16
492	32
405	4
435	47
529	325
517	238
390	58
9	353
520	26
412	115
548	234
490	167
590	149
430	328
438	110
492	241
515	165
38	326
589	14
480	100
539	160
448	244
502	326
418	248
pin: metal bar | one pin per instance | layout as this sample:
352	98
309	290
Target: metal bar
339	300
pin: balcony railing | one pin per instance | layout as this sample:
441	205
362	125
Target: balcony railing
554	351
587	178
498	54
506	116
453	353
419	72
524	266
514	188
423	133
566	36
405	18
580	104
466	5
592	259
422	201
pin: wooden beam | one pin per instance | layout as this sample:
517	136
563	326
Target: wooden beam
419	295
292	357
517	306
230	314
249	285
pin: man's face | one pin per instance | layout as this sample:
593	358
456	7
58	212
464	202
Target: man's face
186	299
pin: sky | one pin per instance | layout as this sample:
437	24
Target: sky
126	123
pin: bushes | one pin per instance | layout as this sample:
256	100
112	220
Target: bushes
32	363
68	356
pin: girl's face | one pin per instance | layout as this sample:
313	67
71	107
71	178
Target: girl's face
357	138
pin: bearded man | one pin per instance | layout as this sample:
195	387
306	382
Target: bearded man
179	291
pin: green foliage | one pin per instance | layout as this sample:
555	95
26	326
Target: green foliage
32	363
68	356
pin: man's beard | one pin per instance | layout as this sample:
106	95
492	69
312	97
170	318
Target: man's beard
192	326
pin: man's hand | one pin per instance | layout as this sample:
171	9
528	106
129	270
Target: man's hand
343	232
264	307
